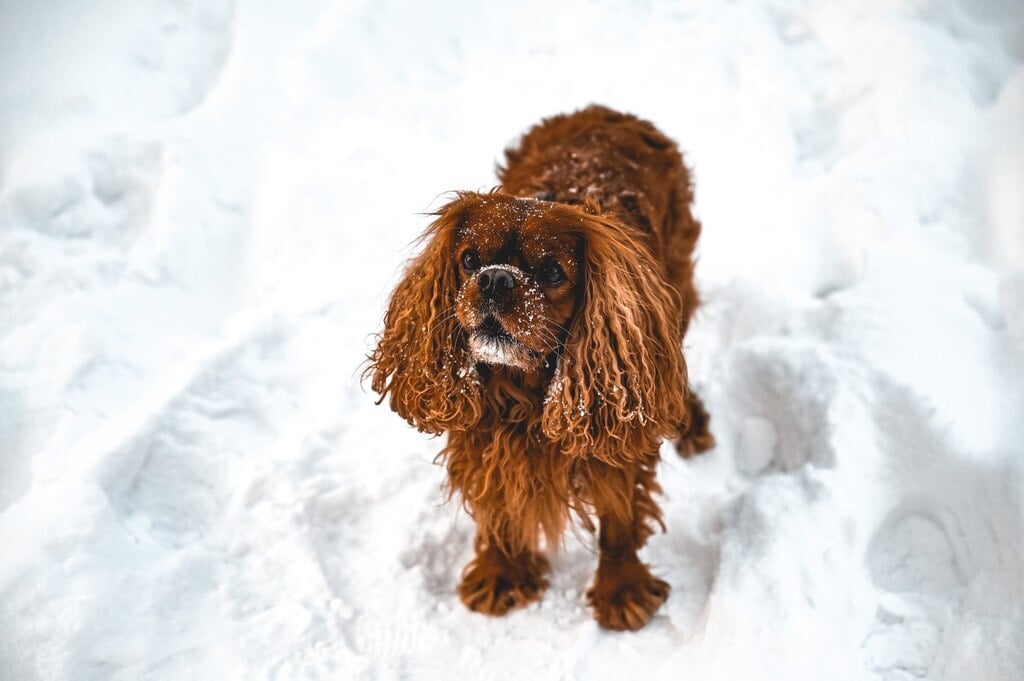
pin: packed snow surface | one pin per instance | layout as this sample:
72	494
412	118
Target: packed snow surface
204	206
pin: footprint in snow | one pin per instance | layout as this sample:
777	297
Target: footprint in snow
912	562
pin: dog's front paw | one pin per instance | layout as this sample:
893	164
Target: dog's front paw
494	583
625	595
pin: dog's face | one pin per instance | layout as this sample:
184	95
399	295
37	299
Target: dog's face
512	282
519	272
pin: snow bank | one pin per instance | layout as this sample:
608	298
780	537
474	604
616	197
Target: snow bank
204	206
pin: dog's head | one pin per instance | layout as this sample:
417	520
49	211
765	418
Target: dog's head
536	287
518	266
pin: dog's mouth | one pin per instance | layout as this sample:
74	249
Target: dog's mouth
492	329
492	344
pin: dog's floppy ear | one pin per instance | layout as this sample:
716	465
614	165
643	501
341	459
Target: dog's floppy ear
621	383
418	359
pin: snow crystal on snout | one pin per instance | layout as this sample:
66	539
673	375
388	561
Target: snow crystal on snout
516	273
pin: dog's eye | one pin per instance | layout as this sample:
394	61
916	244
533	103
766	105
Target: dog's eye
471	260
550	273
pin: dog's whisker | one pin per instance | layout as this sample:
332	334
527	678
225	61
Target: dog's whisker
442	318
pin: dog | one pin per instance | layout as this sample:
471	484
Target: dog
541	329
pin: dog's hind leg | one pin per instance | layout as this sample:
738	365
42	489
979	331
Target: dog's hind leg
696	437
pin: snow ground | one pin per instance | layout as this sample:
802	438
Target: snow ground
204	206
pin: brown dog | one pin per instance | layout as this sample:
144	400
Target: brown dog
541	328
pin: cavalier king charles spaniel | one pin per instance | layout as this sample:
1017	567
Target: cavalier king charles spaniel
541	328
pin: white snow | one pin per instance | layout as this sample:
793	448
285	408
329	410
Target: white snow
203	208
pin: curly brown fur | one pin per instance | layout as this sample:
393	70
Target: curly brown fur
541	328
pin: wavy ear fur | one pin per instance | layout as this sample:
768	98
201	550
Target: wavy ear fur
417	359
621	383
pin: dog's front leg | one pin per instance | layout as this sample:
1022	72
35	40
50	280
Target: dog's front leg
625	594
503	575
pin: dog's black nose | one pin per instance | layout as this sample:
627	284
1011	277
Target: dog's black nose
495	283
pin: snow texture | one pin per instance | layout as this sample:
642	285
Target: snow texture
203	207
